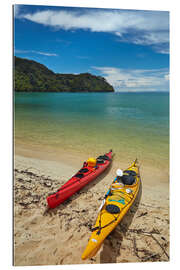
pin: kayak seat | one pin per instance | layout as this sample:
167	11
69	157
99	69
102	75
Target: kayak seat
104	157
113	209
83	170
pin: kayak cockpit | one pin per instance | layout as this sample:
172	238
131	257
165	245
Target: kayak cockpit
128	178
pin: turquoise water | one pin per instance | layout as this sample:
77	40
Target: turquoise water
132	124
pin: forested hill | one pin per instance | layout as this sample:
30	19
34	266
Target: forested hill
31	76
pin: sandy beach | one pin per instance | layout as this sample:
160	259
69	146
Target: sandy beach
59	236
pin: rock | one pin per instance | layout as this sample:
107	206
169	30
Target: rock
26	201
48	183
20	179
36	199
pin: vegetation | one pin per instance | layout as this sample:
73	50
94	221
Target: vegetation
31	76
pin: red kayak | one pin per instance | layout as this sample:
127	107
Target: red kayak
86	174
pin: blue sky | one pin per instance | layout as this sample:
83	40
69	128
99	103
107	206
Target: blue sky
130	48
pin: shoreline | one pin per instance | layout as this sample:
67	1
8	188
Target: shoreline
40	236
76	157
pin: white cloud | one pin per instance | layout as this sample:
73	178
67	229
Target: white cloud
36	52
137	79
163	51
139	27
46	54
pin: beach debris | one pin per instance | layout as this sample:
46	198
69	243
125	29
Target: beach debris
88	225
48	183
142	214
36	198
20	179
26	201
150	254
144	241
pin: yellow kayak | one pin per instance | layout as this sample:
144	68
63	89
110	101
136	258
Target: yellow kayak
118	200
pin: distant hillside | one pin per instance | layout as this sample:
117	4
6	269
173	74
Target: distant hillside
31	76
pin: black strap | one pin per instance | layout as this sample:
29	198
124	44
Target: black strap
100	228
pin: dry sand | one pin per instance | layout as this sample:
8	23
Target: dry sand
59	236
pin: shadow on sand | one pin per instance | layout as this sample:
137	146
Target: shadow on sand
112	244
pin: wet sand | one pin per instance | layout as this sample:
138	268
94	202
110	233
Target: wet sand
59	236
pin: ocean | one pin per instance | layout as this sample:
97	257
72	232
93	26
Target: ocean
132	124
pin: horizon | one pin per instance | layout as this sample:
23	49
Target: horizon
129	48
